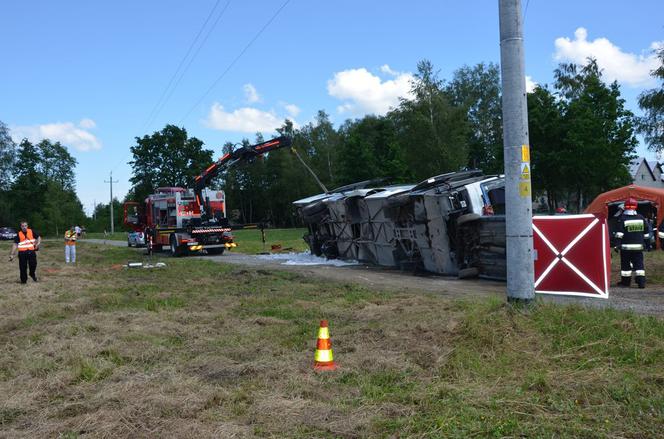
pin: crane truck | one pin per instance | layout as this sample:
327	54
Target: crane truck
188	220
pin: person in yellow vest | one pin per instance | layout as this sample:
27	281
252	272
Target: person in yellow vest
27	243
70	245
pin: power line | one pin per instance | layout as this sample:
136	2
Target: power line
525	13
162	105
182	61
219	78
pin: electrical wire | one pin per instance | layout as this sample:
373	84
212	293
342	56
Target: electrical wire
237	58
193	57
177	70
161	103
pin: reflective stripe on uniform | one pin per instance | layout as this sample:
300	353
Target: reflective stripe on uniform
638	223
619	234
660	234
640	272
26	241
632	246
646	236
626	273
70	237
27	244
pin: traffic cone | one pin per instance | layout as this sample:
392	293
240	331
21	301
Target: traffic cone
323	359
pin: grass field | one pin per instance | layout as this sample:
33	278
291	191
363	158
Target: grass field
201	349
249	241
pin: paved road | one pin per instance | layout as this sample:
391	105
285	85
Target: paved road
649	301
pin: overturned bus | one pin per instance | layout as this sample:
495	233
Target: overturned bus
450	224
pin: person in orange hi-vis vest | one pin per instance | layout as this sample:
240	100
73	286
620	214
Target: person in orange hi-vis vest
70	245
27	243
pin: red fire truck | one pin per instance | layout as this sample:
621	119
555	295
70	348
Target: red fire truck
190	220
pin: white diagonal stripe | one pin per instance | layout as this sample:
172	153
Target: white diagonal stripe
582	276
546	241
579	236
604	267
548	269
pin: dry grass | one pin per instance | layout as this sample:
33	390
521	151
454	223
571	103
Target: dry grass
201	349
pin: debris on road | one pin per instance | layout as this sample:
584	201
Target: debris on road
305	258
142	265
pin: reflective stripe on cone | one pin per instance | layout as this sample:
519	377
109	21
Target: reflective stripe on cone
323	358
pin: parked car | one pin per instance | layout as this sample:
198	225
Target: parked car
7	233
135	239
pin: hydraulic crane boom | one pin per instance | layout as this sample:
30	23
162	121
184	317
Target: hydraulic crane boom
240	155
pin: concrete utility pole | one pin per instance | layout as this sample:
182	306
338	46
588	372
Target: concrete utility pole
518	203
111	182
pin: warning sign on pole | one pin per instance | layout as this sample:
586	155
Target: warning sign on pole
525	171
573	256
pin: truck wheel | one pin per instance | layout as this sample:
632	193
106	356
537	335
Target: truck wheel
128	243
215	251
176	250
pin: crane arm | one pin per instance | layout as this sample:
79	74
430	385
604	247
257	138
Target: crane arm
244	154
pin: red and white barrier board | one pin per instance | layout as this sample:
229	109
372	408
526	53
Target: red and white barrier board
572	255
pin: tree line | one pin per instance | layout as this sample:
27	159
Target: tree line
37	184
582	141
582	137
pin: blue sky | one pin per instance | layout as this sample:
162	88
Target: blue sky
90	74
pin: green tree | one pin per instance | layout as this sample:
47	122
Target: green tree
651	125
50	160
371	149
7	163
478	90
548	156
598	131
320	143
43	190
101	217
166	158
7	157
432	131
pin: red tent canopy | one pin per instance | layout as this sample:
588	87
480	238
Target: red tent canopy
599	206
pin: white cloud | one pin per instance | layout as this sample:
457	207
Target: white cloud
530	84
251	94
88	124
67	133
625	67
292	109
387	70
246	120
365	93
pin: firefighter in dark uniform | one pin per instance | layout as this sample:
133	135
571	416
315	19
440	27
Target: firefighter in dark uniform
632	237
660	234
27	243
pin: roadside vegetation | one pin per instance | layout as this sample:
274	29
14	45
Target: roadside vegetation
203	349
249	241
